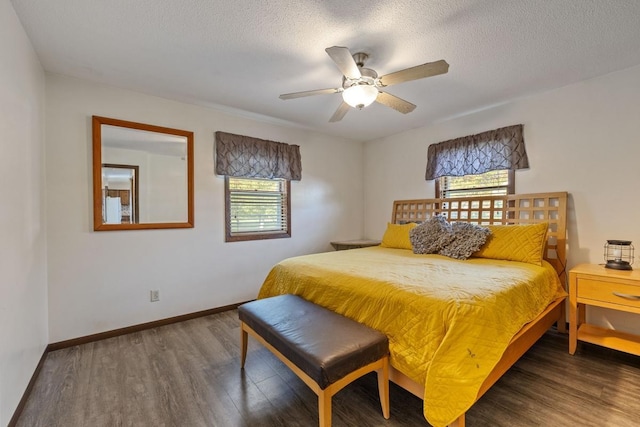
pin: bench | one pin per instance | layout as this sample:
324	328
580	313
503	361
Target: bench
325	349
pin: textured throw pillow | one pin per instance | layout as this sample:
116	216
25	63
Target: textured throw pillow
431	236
397	236
524	243
468	238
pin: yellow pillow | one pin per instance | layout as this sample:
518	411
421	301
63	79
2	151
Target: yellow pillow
397	236
524	243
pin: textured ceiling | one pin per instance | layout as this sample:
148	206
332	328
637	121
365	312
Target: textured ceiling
241	54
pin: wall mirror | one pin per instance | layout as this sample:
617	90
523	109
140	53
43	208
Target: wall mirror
142	176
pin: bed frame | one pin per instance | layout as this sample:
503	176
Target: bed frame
509	209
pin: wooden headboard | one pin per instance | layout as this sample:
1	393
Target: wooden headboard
509	209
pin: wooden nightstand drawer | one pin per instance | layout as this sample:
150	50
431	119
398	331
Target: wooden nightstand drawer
609	292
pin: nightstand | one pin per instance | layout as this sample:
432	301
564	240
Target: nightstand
340	245
591	284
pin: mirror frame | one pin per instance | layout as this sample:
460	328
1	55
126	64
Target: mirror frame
98	225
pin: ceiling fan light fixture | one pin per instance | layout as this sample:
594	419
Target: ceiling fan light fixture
361	86
360	95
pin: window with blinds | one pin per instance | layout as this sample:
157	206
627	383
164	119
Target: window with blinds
257	208
492	183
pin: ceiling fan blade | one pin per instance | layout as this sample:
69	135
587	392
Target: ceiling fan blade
414	73
344	60
340	112
310	93
394	102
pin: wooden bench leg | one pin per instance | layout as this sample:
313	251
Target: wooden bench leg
324	408
243	341
383	387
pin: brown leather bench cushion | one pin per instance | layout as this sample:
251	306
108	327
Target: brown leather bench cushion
325	345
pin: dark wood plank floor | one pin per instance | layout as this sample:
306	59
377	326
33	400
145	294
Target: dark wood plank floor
188	374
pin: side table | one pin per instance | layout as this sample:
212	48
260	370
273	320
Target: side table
340	245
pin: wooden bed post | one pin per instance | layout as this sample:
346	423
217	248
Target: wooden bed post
458	423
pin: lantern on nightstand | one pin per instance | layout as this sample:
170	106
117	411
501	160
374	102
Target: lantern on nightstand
618	254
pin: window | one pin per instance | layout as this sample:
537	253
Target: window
492	183
257	208
258	175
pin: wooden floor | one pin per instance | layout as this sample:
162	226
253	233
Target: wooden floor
188	374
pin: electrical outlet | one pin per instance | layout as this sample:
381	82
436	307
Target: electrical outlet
155	296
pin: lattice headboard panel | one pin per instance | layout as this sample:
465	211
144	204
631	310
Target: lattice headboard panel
510	209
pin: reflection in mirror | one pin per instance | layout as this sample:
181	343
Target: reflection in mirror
119	194
161	158
143	176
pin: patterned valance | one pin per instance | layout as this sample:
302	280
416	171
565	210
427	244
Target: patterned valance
244	156
492	150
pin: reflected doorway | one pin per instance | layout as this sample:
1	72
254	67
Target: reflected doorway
119	194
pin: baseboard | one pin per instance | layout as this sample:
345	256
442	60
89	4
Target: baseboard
16	414
137	328
104	335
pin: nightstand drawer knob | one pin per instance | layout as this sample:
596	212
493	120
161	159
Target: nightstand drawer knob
627	296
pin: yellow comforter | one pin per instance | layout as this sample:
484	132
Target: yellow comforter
448	321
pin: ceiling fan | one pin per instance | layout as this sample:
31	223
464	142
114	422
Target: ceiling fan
361	86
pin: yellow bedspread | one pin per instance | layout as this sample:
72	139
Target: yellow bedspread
448	321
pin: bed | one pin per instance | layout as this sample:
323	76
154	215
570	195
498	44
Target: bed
455	326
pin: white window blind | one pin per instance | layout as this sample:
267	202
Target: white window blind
257	205
492	183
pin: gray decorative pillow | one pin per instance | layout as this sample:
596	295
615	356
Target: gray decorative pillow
431	236
468	238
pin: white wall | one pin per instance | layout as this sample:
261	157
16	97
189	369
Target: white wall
583	138
23	284
100	281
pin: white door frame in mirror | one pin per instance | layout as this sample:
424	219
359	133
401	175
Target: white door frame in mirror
163	159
